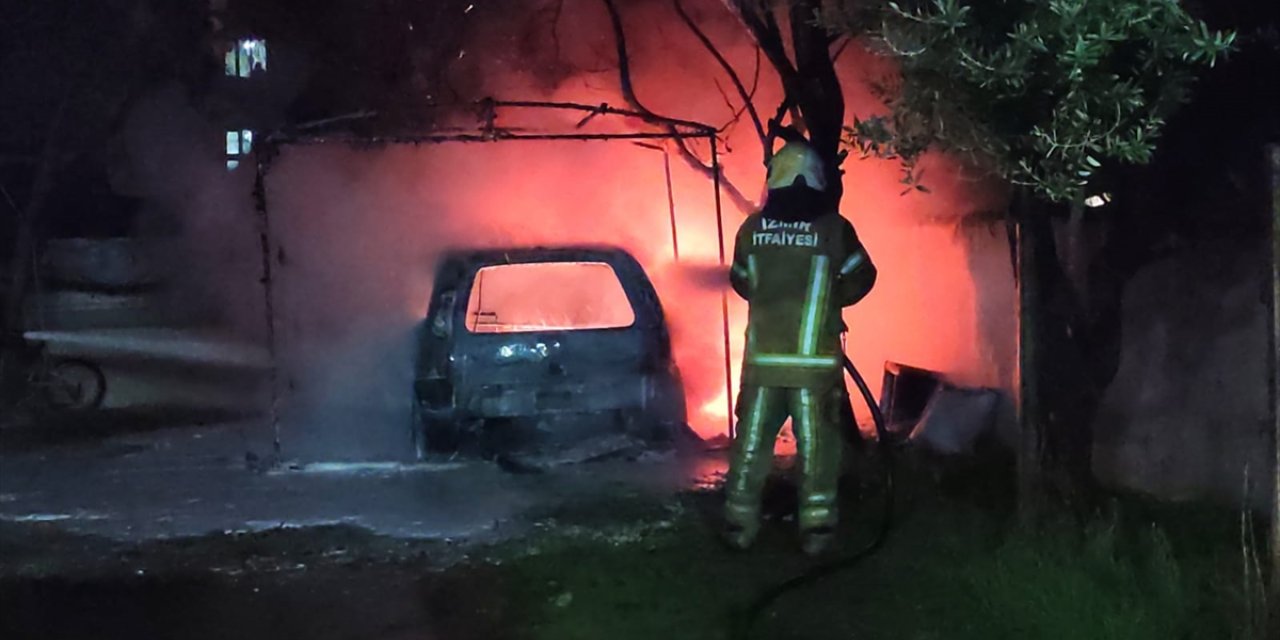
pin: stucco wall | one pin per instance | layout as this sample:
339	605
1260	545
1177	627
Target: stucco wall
1187	412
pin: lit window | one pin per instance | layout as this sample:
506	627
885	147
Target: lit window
239	143
547	296
246	57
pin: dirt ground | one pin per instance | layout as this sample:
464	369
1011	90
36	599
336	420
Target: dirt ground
621	549
579	570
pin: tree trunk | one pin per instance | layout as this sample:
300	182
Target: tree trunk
1068	353
1070	391
1275	391
1030	421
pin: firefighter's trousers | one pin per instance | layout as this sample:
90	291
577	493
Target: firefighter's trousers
815	421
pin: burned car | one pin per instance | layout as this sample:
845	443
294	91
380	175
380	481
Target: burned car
538	347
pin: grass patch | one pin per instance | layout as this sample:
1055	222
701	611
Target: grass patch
955	568
1054	583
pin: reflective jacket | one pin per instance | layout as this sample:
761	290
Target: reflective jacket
796	277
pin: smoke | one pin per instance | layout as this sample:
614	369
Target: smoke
358	230
173	163
359	248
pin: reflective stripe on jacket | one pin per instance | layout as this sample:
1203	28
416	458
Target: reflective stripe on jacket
796	276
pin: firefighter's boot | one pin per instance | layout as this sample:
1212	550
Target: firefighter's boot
817	541
761	412
739	537
815	416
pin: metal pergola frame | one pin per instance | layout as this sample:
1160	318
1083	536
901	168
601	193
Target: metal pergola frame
487	132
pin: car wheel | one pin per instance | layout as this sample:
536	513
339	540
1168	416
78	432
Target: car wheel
417	431
664	418
432	432
656	427
74	385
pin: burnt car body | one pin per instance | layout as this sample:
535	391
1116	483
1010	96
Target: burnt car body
487	377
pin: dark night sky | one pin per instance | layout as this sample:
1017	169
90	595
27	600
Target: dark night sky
103	57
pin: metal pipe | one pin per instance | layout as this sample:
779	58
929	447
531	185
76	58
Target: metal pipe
264	156
273	141
724	295
671	205
489	105
495	136
1274	162
703	129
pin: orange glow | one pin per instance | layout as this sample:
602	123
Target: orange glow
369	224
552	296
926	309
717	407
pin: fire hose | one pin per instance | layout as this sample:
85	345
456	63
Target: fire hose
743	623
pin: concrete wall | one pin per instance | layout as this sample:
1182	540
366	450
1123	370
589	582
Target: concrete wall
1187	412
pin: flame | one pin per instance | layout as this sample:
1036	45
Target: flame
362	229
717	407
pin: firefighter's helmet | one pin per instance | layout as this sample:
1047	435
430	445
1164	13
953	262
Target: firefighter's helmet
793	161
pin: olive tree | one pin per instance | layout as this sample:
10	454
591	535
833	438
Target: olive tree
1045	96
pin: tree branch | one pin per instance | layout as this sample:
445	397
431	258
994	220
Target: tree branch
760	22
555	26
736	112
629	94
746	96
776	130
774	48
835	57
737	116
821	101
755	75
764	29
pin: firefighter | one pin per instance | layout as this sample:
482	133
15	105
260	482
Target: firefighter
797	262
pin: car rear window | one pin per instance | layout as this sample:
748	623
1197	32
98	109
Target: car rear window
547	296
